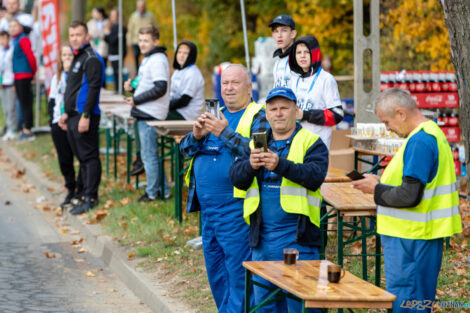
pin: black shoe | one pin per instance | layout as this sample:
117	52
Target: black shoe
145	198
68	199
86	205
137	167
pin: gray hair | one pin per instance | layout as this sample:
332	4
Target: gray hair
248	75
393	98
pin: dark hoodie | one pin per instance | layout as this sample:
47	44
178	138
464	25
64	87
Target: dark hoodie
178	103
327	117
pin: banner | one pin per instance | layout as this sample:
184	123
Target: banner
49	12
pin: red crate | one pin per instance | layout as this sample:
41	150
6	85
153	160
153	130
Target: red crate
436	99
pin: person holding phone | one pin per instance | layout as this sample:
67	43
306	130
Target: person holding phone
282	203
417	200
214	144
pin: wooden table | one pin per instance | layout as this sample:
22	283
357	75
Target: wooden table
168	131
347	201
335	175
302	281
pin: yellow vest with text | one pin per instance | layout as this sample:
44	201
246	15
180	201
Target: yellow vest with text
437	215
294	197
244	129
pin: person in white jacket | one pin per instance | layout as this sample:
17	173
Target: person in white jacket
187	84
7	91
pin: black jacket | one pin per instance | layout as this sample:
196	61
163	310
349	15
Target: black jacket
85	79
310	175
113	40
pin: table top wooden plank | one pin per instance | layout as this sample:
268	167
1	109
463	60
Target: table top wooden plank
372	152
172	128
343	196
302	280
336	175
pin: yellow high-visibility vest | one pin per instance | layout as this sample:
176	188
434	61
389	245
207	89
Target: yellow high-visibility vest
437	215
244	129
294	197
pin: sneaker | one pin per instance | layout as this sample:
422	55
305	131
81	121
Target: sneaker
68	199
145	198
86	205
137	167
10	135
26	137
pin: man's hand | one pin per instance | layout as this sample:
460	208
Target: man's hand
299	114
83	124
199	130
255	159
63	121
130	101
213	124
270	160
366	185
127	85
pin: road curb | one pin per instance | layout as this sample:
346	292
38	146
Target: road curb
101	245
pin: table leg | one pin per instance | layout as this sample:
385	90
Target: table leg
129	158
304	309
356	160
115	144
162	166
340	237
378	261
247	290
108	144
323	231
178	182
364	247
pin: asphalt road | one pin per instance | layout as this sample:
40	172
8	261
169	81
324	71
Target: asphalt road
72	281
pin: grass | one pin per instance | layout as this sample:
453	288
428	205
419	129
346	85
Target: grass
159	242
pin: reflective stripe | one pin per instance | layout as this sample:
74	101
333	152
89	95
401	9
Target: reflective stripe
439	191
300	192
252	193
418	217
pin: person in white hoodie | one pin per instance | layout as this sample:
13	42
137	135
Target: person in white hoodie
7	91
187	84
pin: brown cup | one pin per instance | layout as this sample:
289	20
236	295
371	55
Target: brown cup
335	273
290	256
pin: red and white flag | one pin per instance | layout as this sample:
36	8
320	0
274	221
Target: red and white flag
49	12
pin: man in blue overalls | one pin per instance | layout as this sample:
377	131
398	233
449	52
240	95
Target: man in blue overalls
214	145
282	203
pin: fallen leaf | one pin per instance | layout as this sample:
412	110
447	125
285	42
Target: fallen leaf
19	173
78	260
7	202
49	255
112	290
64	230
91	222
125	200
59	211
31	155
48	173
46	208
100	214
124	225
77	245
80	240
90	274
169	238
109	204
51	189
130	256
82	250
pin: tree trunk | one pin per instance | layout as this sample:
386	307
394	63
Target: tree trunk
78	10
457	18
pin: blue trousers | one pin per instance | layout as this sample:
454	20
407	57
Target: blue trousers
225	245
149	153
274	252
411	270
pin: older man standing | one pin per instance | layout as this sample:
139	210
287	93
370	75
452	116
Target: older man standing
140	18
282	204
214	144
417	201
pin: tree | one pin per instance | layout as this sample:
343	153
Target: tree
457	18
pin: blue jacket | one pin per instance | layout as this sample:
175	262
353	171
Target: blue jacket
238	145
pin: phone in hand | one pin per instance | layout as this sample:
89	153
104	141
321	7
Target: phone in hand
355	175
260	142
213	107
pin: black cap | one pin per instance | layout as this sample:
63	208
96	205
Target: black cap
283	19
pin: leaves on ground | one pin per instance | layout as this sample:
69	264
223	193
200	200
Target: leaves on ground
49	255
90	274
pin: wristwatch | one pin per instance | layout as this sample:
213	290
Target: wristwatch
86	115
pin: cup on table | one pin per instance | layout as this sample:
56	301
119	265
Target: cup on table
290	256
335	273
